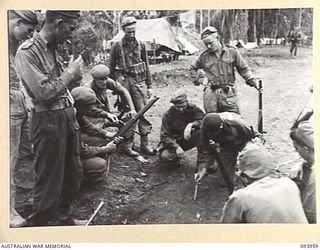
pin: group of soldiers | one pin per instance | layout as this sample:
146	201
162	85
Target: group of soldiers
63	137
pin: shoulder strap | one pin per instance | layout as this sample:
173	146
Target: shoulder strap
122	55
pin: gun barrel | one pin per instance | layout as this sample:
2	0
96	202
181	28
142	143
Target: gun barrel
134	119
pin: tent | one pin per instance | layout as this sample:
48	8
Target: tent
158	30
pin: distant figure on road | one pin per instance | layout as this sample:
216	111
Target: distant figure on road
266	198
219	62
294	38
180	128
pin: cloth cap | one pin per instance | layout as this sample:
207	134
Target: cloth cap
100	71
178	97
73	14
83	95
208	31
27	15
212	123
304	134
255	161
128	21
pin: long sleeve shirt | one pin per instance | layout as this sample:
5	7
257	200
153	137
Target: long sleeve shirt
236	133
92	151
220	69
267	200
174	123
133	52
18	107
40	70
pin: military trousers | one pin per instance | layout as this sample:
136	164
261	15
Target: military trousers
168	155
22	175
94	170
138	92
220	100
58	167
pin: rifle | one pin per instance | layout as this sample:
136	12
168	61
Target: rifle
260	114
127	126
226	177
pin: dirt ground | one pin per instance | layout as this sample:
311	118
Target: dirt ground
136	193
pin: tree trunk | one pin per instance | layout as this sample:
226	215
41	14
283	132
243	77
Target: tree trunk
252	26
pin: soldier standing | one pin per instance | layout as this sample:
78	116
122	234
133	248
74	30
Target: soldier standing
21	25
129	65
54	129
294	38
219	62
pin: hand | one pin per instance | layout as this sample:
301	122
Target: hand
75	68
296	172
109	134
117	140
132	113
149	93
187	131
198	176
110	147
179	152
113	118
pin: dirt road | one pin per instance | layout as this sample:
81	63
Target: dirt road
147	194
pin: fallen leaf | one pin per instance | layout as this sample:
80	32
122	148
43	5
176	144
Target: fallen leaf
143	174
139	180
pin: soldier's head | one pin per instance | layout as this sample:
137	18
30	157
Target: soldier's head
21	24
83	96
213	126
100	74
303	141
129	27
211	39
60	25
255	162
179	100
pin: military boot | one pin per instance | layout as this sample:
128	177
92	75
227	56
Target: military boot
144	141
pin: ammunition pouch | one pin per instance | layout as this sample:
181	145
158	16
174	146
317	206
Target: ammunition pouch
139	71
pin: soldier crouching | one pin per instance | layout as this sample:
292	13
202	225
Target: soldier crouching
179	129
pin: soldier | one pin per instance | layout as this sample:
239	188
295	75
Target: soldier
219	62
179	129
84	98
232	133
92	157
294	38
266	198
304	174
54	129
129	65
100	84
21	25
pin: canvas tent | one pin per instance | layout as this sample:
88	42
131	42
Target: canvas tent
158	30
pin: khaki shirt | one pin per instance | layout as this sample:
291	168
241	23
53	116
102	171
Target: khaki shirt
132	55
234	137
174	123
220	70
267	200
41	71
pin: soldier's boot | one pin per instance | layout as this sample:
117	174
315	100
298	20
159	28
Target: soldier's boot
16	220
126	148
144	148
